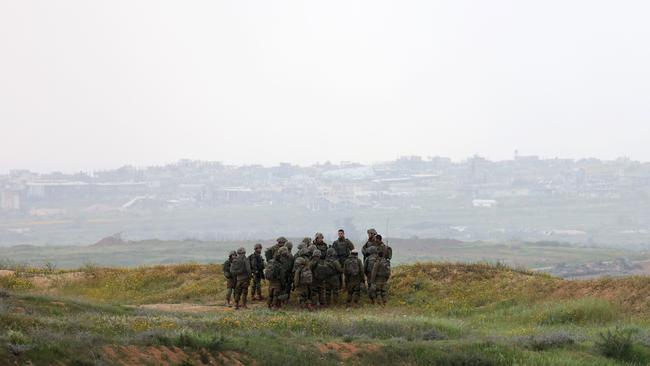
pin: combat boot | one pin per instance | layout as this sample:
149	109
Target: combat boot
244	301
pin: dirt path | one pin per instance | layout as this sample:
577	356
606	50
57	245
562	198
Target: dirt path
197	308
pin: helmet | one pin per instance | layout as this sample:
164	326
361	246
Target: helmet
372	231
300	261
372	250
289	245
301	245
241	250
232	253
319	235
315	253
258	246
306	240
282	240
331	252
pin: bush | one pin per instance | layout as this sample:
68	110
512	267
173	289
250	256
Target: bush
546	341
18	337
616	344
583	311
197	341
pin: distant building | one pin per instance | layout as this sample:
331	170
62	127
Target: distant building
10	200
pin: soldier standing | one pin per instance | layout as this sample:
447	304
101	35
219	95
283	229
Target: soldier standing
240	268
302	280
370	262
289	271
275	275
230	279
379	279
320	244
257	266
371	241
333	280
354	277
343	246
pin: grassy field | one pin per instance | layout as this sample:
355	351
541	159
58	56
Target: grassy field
438	314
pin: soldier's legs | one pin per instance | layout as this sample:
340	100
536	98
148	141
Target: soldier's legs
244	290
336	293
372	293
381	292
230	288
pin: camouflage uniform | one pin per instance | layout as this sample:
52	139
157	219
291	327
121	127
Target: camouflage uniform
379	283
302	288
368	266
385	250
353	279
257	267
243	279
276	285
270	252
342	248
316	289
289	271
231	281
369	243
333	282
320	244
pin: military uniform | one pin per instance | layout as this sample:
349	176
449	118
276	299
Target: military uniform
368	266
276	284
231	281
369	243
379	282
302	283
317	289
257	267
288	265
333	282
385	249
243	278
354	277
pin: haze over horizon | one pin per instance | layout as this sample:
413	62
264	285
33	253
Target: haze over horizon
92	86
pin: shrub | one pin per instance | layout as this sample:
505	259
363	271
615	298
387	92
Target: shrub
196	341
18	337
433	335
581	311
616	344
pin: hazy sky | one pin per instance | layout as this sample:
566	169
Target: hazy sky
98	84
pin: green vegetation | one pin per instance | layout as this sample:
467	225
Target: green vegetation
438	314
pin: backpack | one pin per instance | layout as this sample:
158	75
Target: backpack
238	266
383	269
323	270
306	276
273	270
351	267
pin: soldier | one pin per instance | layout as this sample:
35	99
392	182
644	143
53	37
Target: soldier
354	277
383	248
333	281
343	246
302	280
230	279
274	274
379	279
270	252
289	271
257	266
316	289
305	248
371	241
240	268
370	261
320	244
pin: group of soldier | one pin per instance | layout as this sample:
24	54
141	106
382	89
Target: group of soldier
317	273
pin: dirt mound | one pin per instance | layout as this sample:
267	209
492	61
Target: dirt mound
345	351
6	273
632	293
140	355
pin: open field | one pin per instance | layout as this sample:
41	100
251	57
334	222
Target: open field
438	314
541	255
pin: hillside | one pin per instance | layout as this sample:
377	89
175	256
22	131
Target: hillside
439	313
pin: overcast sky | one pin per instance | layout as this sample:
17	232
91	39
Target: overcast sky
99	84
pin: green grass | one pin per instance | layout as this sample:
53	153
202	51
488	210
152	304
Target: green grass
438	314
